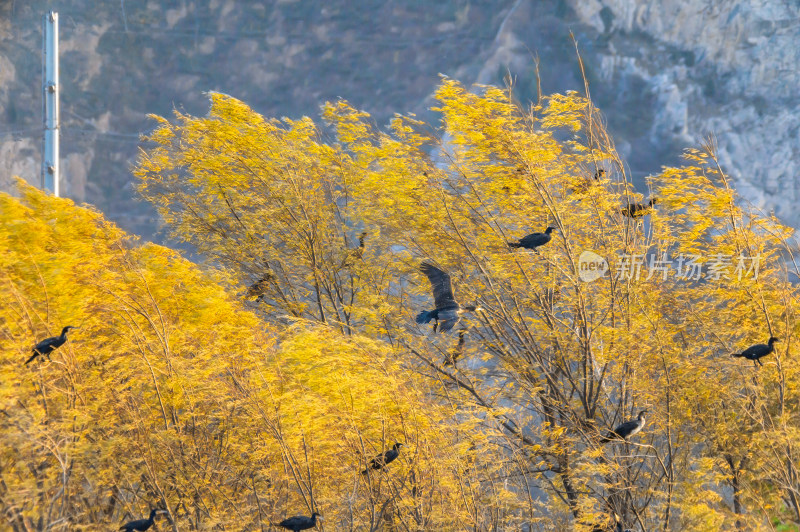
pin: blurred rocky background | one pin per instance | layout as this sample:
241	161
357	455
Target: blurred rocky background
666	73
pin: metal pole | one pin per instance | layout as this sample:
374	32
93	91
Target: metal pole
50	166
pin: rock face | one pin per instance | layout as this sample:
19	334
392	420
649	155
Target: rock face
669	72
665	72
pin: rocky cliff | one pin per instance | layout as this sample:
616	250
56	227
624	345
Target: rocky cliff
665	72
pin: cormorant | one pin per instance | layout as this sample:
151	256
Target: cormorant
585	184
453	357
606	527
300	522
637	210
384	459
629	428
354	255
359	251
260	287
754	352
447	311
534	240
47	346
141	524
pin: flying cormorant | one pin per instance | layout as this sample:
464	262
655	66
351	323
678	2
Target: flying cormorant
629	428
534	240
447	312
48	345
754	352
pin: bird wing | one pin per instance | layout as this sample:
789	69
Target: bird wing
448	324
390	455
758	350
535	239
441	285
292	522
626	428
47	345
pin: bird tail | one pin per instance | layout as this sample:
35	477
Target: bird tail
34	355
424	316
737	355
610	436
513	245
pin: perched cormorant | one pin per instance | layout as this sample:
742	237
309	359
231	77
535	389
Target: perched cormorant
354	255
383	459
141	524
637	210
754	352
534	240
47	346
447	310
300	522
606	527
629	428
359	251
260	287
585	184
453	357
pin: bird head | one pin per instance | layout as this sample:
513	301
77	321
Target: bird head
550	229
473	308
600	173
653	201
318	516
397	446
642	413
773	339
66	329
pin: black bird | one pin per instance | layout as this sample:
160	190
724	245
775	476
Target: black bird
48	345
300	522
534	240
637	210
384	459
629	428
607	527
585	184
260	287
354	255
359	251
453	357
754	352
141	524
447	310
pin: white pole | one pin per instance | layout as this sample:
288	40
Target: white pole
50	166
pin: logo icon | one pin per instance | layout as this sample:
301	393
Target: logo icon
591	266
